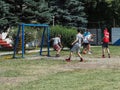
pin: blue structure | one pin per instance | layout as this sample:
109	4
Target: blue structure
21	26
117	42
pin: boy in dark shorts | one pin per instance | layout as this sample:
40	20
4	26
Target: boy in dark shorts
105	42
86	43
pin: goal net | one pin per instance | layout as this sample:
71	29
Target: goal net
31	39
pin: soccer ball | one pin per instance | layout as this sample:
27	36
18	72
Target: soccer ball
84	52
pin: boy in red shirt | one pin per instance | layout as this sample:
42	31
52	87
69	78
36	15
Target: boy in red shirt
105	42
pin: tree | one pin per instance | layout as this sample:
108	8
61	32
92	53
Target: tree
4	12
30	10
68	12
23	11
99	13
115	9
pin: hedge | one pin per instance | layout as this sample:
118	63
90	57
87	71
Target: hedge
68	34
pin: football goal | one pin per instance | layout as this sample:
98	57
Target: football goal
38	38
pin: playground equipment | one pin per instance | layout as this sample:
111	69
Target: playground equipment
21	33
5	42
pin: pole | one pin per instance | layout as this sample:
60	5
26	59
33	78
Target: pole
23	49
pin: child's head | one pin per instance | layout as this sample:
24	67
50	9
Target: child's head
87	30
59	35
78	30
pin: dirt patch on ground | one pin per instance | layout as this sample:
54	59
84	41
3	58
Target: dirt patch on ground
89	63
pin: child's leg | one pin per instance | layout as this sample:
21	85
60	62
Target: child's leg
84	51
70	55
89	49
58	51
81	59
103	52
108	51
79	55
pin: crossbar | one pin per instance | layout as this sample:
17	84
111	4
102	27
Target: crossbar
41	25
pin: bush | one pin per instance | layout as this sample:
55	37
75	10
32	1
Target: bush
68	34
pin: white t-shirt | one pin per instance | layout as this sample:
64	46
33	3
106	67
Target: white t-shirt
79	37
56	40
86	38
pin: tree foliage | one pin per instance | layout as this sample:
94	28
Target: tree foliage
68	12
115	9
102	12
4	14
24	11
98	12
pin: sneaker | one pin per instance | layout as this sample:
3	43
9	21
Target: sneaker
67	60
89	53
81	60
103	56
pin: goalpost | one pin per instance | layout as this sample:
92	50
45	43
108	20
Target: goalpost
21	31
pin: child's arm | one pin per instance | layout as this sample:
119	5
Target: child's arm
74	41
50	40
60	44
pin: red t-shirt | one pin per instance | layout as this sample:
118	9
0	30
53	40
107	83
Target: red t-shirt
106	37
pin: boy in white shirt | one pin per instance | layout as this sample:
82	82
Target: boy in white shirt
57	44
86	43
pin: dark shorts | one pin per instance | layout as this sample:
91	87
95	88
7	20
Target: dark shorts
105	45
85	45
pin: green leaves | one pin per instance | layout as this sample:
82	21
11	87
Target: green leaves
74	13
24	11
4	11
69	12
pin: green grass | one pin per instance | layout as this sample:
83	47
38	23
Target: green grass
44	74
77	80
97	51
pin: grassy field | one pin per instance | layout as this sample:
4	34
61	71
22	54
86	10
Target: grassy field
44	74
